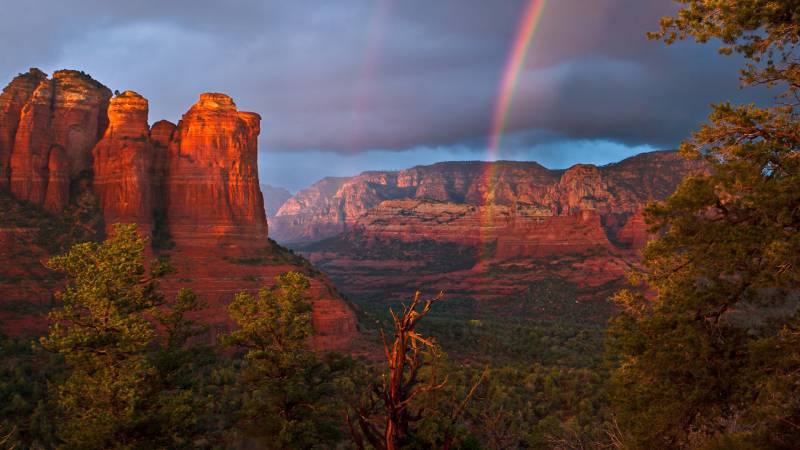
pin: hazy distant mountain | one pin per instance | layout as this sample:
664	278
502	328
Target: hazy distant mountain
67	144
274	198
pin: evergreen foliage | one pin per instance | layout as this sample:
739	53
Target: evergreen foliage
288	395
121	388
703	354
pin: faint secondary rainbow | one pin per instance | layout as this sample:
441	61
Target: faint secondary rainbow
375	34
526	31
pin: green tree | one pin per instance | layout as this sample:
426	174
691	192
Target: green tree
288	394
114	395
702	351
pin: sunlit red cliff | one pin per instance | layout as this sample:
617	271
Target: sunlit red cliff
478	229
193	188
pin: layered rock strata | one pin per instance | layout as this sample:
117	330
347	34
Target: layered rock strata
616	192
212	191
124	164
479	230
193	188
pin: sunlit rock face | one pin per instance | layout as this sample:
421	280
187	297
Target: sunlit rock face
66	114
123	162
483	230
192	188
14	97
212	189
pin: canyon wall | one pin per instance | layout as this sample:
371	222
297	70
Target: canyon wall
192	188
479	229
519	190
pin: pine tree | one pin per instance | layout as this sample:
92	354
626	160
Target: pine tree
117	392
288	394
704	353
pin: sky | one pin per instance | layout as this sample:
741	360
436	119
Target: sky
351	85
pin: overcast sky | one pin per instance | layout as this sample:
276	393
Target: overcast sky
350	85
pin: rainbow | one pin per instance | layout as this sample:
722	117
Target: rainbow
508	84
374	37
516	62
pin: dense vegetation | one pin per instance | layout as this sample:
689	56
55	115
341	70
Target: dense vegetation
707	355
124	367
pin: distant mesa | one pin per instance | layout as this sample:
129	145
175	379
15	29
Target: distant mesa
193	186
274	198
479	230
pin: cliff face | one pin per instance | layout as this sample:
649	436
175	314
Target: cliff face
615	192
66	114
480	230
123	164
192	188
213	196
14	97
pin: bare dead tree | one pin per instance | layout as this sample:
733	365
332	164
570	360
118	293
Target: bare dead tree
5	438
384	419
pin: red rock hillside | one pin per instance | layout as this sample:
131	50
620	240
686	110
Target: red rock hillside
476	229
72	157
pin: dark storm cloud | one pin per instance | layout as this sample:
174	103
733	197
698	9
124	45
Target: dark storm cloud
354	75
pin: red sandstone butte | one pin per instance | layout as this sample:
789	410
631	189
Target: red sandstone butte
213	194
123	164
195	184
12	100
68	113
478	229
31	152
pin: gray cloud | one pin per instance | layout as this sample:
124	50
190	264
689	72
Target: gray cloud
356	75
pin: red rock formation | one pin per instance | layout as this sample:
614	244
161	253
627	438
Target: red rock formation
57	196
123	164
615	191
79	109
482	230
31	153
12	100
67	112
634	233
161	134
514	231
193	187
212	189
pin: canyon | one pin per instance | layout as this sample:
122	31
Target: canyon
480	230
76	159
